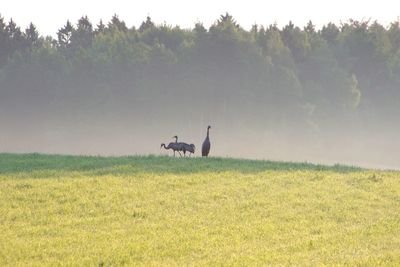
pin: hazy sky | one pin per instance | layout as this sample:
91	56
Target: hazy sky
49	16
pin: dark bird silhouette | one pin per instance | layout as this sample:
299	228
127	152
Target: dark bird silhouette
173	146
179	146
205	148
188	148
184	147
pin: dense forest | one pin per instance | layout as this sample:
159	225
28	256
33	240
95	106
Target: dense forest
98	79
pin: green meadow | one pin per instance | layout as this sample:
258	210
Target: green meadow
164	211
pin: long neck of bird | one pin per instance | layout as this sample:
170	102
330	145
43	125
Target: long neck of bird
166	147
208	129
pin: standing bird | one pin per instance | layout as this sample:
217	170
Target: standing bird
188	148
184	147
179	146
173	146
205	148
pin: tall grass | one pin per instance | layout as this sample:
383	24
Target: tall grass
153	211
19	163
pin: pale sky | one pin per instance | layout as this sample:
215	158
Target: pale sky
49	16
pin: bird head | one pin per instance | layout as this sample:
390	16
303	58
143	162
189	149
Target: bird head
209	127
162	145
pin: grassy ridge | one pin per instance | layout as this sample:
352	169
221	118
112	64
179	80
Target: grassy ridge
154	211
19	163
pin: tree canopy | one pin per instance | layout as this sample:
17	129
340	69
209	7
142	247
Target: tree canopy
347	73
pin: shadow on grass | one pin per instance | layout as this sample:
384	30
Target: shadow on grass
96	165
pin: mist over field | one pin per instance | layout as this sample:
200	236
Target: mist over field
128	137
329	95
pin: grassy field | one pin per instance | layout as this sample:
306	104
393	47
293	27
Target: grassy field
153	211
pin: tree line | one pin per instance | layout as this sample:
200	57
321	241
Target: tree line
347	74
